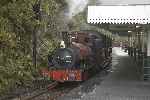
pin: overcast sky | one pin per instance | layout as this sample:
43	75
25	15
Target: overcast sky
113	2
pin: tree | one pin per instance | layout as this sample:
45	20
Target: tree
17	23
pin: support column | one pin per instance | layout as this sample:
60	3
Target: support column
130	45
147	59
143	54
138	46
133	53
140	50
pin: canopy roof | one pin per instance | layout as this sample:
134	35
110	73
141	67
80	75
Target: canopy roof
120	14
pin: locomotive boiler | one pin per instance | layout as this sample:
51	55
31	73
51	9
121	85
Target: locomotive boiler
71	57
81	54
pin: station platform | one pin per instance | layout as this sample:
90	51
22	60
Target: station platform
123	82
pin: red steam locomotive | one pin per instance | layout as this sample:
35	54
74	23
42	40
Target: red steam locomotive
83	54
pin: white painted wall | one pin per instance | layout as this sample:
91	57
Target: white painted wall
119	14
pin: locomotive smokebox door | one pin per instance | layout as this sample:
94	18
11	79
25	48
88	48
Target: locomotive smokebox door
66	38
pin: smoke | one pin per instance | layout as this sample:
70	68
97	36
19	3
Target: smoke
75	7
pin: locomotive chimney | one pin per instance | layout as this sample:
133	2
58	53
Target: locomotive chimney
66	38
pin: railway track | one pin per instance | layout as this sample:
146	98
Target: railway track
53	90
59	90
50	92
37	92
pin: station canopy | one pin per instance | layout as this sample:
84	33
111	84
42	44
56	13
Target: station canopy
119	14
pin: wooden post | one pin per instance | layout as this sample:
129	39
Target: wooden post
36	9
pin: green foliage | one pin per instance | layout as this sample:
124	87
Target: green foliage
79	21
17	24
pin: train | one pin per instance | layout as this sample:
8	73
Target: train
81	54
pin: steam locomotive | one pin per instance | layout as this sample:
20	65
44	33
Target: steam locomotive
81	54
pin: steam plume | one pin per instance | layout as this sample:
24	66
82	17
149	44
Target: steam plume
76	6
